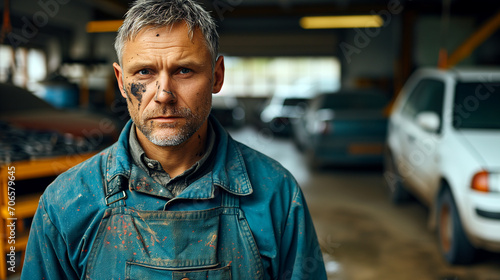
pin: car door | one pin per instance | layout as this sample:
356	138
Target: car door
420	146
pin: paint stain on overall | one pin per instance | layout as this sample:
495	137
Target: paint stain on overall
211	242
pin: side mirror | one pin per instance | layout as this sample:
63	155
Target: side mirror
428	121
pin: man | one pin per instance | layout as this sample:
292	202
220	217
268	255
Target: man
175	197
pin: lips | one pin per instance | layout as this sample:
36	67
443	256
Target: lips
167	114
165	117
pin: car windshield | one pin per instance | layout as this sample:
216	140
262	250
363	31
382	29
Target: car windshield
354	101
476	106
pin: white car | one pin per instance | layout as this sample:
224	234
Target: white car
281	112
443	147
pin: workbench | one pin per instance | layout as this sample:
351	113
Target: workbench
18	203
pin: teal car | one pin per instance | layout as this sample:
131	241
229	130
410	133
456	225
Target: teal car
347	127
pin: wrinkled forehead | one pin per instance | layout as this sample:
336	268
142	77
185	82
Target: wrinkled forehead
194	35
168	26
155	44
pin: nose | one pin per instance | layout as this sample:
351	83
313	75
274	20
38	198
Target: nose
164	93
165	96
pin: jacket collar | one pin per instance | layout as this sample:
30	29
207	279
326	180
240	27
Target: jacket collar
229	171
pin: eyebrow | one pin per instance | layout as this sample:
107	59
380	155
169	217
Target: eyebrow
187	62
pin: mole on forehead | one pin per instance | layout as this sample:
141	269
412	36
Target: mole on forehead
160	40
165	28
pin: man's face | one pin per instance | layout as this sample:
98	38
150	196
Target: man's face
168	81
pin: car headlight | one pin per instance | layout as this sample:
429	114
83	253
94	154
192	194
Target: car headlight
484	181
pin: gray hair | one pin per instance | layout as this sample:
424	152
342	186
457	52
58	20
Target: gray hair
163	13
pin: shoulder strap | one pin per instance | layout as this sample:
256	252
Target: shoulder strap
115	192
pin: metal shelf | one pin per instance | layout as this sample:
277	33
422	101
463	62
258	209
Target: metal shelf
26	205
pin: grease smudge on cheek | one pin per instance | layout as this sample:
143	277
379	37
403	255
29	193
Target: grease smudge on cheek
137	90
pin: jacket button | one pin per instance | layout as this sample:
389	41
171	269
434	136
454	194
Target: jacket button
150	165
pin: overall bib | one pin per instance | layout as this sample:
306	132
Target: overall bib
208	244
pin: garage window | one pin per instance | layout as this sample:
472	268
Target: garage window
262	76
21	66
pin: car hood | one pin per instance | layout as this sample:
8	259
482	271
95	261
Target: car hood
484	144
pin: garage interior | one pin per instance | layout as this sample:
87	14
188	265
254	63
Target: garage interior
48	46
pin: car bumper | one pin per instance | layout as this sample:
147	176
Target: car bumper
484	220
349	152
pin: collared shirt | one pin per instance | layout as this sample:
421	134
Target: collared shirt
173	186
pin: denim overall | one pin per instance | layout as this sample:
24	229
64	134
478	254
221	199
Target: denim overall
208	244
81	231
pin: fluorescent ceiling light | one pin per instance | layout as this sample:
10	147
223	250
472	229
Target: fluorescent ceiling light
103	26
329	22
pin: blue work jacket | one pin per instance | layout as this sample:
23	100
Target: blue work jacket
88	218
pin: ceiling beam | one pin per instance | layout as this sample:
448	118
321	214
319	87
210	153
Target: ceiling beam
296	10
476	39
114	8
286	8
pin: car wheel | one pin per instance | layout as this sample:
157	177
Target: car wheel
393	179
454	244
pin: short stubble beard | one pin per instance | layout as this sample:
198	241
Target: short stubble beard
149	127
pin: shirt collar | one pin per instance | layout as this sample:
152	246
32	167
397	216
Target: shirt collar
138	154
140	158
229	170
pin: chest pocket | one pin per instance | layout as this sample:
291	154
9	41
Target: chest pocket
137	271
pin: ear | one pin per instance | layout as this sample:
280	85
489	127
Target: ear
119	78
218	75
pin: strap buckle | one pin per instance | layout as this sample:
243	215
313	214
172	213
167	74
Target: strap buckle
116	200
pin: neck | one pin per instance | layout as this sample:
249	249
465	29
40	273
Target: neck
176	159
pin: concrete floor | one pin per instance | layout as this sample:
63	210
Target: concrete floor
362	235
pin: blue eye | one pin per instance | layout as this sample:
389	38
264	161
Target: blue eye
185	71
144	72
